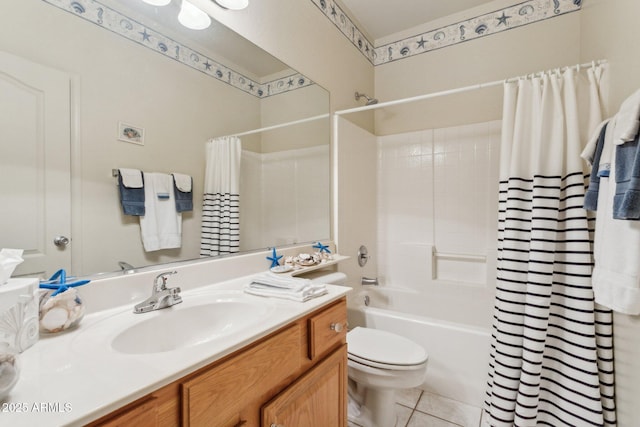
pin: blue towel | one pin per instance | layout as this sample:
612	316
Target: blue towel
184	199
132	199
591	196
626	202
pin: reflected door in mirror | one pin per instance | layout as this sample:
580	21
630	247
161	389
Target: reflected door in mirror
34	163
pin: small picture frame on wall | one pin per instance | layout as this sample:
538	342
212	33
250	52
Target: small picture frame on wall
130	133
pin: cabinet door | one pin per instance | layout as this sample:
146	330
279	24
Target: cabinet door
231	393
317	399
145	414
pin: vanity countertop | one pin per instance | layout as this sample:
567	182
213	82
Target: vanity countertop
75	377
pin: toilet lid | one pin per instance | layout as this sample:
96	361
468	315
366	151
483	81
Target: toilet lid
381	347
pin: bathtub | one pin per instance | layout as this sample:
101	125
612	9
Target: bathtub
458	352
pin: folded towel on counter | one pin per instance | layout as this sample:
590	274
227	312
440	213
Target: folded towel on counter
183	192
131	185
296	289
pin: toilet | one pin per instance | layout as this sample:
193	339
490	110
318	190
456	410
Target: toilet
379	363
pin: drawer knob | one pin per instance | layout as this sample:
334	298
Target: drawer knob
338	327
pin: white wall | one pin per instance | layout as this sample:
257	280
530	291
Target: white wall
357	208
611	31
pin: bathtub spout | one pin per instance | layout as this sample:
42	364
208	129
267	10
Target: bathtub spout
369	281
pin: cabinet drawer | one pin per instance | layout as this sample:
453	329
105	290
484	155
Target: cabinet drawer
327	329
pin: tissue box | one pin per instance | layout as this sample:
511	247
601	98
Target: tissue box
19	314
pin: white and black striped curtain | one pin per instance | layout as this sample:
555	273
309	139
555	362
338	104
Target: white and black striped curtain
221	205
552	347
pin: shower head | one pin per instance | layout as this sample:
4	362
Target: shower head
370	101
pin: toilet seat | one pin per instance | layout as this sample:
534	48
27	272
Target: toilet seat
384	350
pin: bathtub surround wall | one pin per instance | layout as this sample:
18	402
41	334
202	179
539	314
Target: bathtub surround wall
436	214
288	187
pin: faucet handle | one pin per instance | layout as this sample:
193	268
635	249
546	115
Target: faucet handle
160	282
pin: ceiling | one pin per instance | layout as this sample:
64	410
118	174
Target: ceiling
381	18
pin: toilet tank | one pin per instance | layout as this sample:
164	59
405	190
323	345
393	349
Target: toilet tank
326	277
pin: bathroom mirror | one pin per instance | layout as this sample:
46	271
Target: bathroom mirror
128	64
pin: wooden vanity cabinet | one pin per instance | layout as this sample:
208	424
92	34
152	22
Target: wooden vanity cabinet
295	377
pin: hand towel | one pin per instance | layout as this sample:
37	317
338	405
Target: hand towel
628	120
626	202
616	272
131	186
161	226
591	195
589	152
296	289
183	192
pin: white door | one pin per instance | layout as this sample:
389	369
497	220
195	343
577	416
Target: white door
35	190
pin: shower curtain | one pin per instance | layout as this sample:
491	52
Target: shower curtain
221	205
551	356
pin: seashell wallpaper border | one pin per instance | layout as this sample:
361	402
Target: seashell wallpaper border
122	25
517	15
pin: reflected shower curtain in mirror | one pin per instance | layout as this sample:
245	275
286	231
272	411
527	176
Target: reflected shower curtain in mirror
221	205
551	356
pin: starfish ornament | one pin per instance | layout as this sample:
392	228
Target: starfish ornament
322	248
274	258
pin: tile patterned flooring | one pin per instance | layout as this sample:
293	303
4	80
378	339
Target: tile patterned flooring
417	408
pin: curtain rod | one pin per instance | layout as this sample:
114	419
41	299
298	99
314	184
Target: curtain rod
295	122
460	89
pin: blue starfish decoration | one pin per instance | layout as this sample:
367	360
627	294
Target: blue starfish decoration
274	258
59	283
322	248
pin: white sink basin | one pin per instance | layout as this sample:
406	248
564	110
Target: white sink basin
197	320
175	328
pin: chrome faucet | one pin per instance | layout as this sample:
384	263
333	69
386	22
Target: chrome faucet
161	296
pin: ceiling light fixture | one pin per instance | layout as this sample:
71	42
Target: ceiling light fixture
233	4
157	2
192	17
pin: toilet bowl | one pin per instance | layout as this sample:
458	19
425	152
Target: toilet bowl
379	363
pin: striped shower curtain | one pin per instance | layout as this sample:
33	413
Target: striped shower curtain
221	205
551	357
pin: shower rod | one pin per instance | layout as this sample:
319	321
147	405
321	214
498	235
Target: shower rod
461	89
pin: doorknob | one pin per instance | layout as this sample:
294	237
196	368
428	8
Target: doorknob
61	241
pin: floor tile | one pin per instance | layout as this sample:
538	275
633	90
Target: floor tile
419	419
450	410
408	397
404	414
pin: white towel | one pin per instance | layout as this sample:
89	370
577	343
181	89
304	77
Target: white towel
296	289
628	120
183	182
161	226
589	151
131	178
616	273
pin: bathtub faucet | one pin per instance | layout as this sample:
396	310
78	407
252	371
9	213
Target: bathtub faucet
368	281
